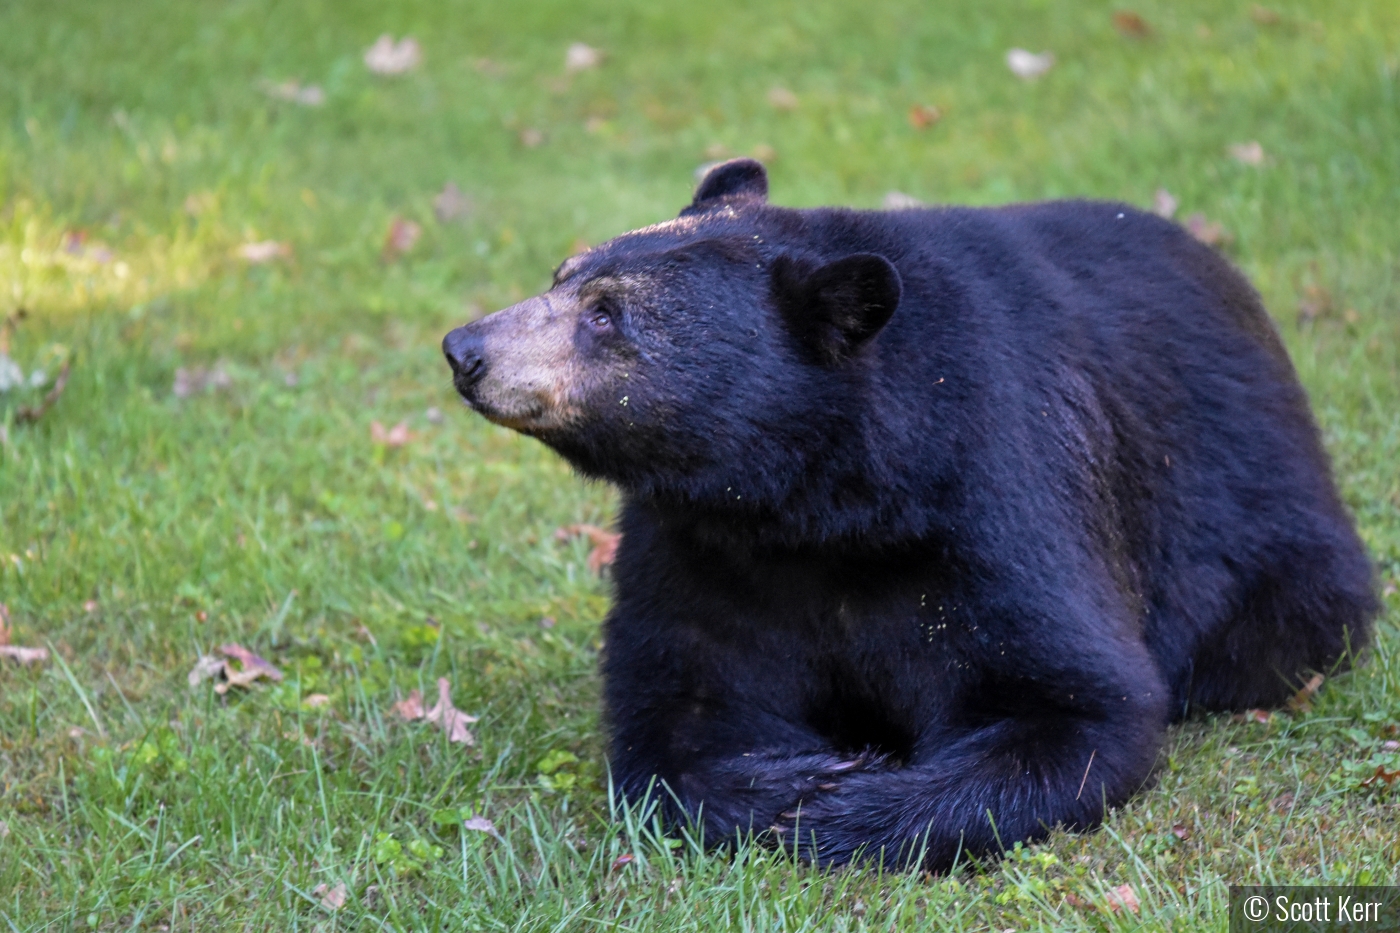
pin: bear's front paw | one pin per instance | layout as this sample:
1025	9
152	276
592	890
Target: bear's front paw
820	798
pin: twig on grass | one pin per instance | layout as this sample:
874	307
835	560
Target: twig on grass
29	414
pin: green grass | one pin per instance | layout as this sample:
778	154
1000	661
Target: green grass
138	529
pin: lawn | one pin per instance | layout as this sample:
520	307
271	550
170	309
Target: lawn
212	475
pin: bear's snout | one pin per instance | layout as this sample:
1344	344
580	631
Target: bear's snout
465	349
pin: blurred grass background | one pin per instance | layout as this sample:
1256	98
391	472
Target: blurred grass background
142	146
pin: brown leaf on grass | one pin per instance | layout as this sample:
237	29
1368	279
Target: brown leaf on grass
1389	777
1250	153
24	655
1263	16
308	95
315	700
1181	832
205	668
1131	25
250	668
1123	898
450	204
622	861
195	379
1302	700
604	543
1316	302
1261	716
782	99
922	116
899	201
16	652
1206	231
264	251
1163	204
1028	65
581	57
481	824
410	707
1281	803
401	237
387	57
1119	899
331	898
397	436
452	720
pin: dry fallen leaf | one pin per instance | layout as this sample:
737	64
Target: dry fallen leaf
1250	153
16	652
1389	777
1163	204
90	606
250	668
1263	16
410	707
1316	303
264	251
922	116
604	544
581	57
400	238
397	436
24	655
331	898
1028	65
1131	24
481	824
309	95
205	668
315	700
622	861
452	720
782	99
387	57
1181	832
1208	232
899	201
1302	700
450	204
1123	898
196	379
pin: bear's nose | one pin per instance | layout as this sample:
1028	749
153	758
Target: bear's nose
465	352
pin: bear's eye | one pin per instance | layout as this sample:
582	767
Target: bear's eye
599	319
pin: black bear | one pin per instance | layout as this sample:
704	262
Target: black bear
932	519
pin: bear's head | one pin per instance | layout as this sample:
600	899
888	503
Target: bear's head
710	358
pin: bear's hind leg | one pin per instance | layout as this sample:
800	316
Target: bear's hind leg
1308	613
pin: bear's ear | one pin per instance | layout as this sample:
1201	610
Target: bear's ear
737	178
832	310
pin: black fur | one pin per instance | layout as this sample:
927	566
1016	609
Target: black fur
943	583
